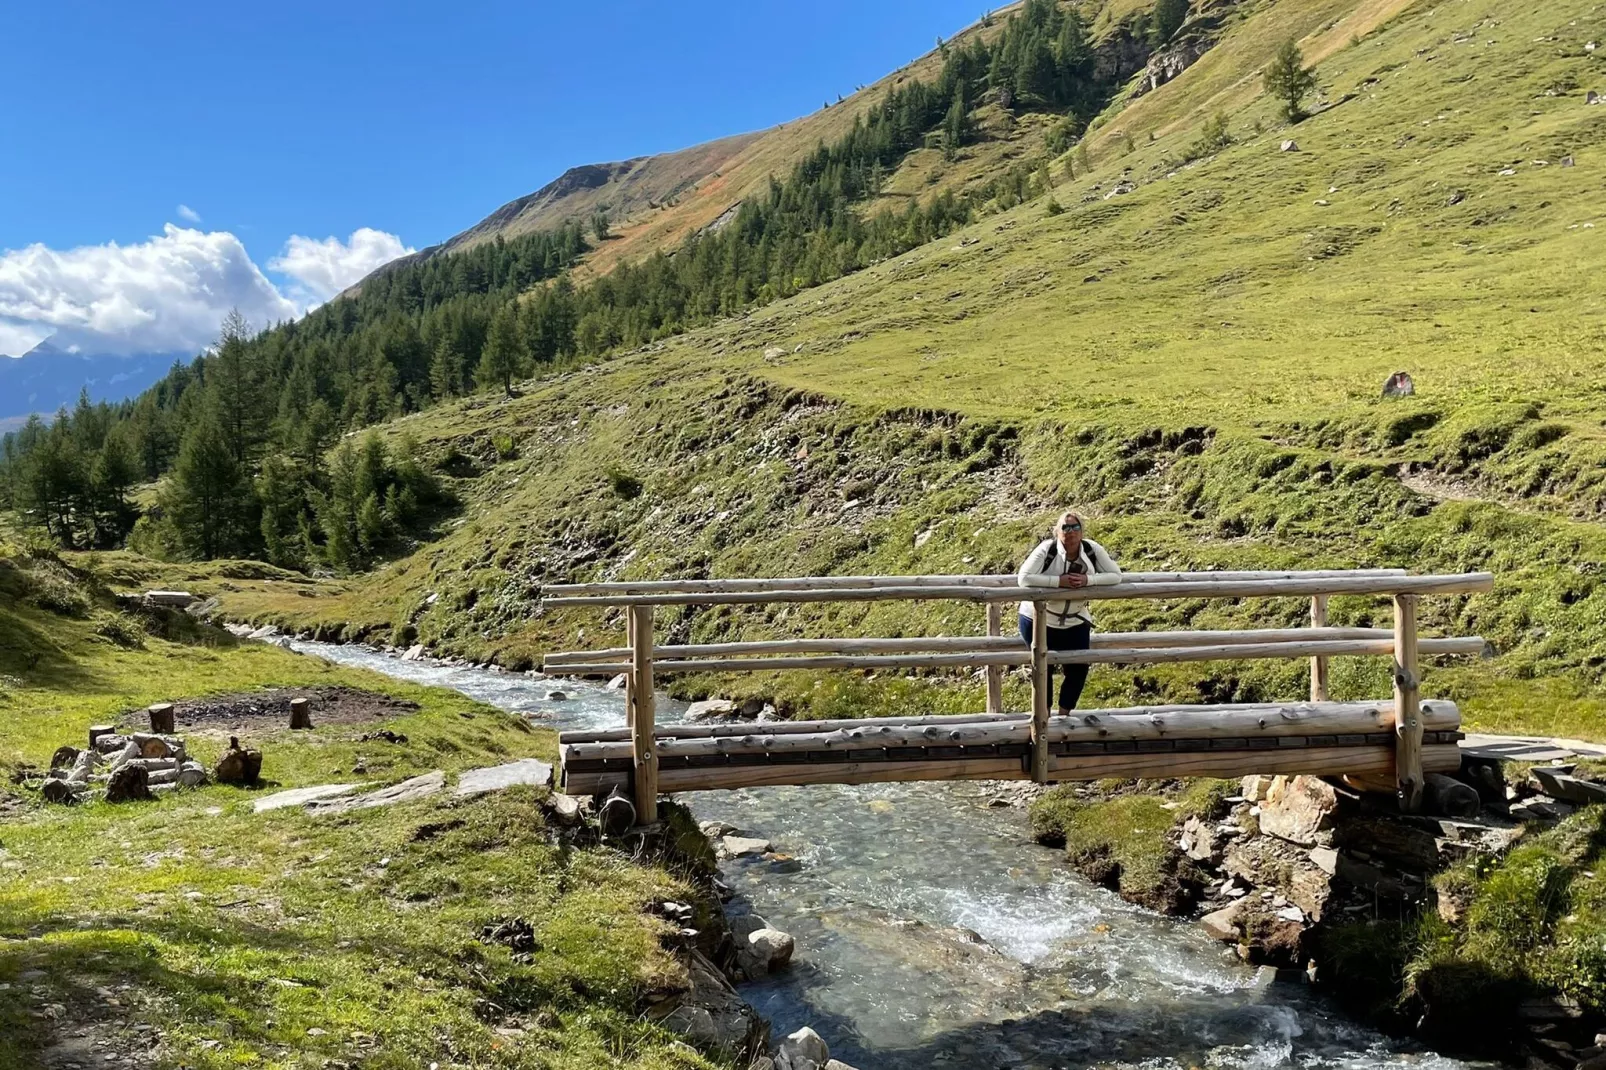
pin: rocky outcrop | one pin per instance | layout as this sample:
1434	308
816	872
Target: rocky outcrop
1195	37
710	1014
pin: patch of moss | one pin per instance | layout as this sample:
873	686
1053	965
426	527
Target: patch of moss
1125	840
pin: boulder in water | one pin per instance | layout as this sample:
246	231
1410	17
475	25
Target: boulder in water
802	1050
712	709
766	950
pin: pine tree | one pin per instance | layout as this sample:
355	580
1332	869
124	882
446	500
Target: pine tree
446	370
231	378
956	126
1290	81
503	356
208	497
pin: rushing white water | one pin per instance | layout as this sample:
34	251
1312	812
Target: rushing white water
931	931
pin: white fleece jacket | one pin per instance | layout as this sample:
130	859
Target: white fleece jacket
1039	571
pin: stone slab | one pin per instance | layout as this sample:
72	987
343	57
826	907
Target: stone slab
500	777
419	787
301	796
1529	748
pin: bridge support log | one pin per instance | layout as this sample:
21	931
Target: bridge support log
644	744
1158	727
1408	767
1040	679
995	673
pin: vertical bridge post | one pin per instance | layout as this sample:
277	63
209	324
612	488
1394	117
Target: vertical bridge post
1040	692
1318	665
995	673
1408	777
642	714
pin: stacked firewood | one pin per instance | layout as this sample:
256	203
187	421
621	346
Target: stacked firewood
138	765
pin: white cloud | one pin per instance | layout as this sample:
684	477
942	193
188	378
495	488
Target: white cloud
188	214
169	294
321	269
17	338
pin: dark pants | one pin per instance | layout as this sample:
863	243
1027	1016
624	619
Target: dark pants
1076	637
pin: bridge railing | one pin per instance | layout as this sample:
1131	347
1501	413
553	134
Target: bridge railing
641	659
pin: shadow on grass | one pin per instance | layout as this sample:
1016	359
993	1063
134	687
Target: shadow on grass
30	652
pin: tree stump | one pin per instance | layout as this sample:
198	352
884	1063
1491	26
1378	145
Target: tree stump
300	713
238	766
128	783
96	731
162	718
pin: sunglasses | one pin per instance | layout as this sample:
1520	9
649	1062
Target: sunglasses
1070	527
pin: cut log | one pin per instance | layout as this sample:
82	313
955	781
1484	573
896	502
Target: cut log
1314	761
617	813
152	746
128	783
96	731
732	777
690	731
162	718
1241	722
1448	797
64	757
300	713
64	792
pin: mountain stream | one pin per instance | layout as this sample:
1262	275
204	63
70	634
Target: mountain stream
932	931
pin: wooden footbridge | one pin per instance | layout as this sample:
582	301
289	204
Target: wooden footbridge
1385	744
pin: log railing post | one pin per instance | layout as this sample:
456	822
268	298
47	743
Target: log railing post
1040	680
995	673
645	748
1318	664
1408	776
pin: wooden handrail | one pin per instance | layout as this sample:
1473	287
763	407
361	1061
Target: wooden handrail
784	583
1020	654
1469	583
968	643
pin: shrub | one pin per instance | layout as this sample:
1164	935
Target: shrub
120	629
623	483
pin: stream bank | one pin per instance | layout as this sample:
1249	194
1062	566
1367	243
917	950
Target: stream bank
1478	933
931	930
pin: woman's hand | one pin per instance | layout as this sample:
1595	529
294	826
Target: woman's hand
1073	579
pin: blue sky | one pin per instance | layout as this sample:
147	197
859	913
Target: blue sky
270	122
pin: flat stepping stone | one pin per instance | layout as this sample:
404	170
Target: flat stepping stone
301	796
1529	748
419	787
501	777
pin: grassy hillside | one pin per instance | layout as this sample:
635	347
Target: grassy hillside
191	931
1191	352
657	201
